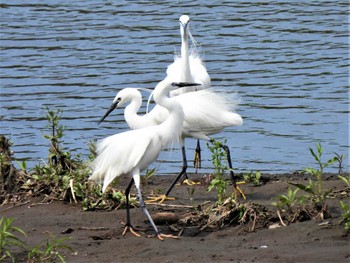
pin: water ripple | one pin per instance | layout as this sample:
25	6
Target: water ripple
288	60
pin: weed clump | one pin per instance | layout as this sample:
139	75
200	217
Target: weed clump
312	204
63	177
213	217
9	175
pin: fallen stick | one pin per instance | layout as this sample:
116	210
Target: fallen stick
26	202
93	228
174	206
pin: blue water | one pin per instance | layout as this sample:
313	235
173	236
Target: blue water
288	60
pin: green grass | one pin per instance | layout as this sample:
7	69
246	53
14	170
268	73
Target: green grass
9	238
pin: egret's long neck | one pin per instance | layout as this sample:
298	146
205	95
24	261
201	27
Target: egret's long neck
131	116
174	122
130	112
185	57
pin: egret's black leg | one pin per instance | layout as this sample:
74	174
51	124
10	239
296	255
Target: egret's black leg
232	175
127	193
128	225
197	162
164	197
184	162
183	171
184	165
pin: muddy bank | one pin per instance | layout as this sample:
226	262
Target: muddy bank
96	236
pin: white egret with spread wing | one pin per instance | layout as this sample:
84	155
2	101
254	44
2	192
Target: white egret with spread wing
129	153
188	67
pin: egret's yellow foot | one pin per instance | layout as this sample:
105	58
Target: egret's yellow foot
159	199
132	230
190	182
237	189
197	161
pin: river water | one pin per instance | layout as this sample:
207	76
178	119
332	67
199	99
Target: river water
288	61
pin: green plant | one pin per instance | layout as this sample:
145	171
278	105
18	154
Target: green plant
345	179
318	173
51	250
92	150
8	238
190	191
345	214
63	177
56	155
340	158
60	162
92	197
219	160
148	175
22	164
286	202
254	178
315	189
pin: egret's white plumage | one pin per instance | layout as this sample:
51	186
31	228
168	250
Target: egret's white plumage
124	153
130	152
205	113
188	67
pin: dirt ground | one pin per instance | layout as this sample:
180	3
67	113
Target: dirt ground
97	236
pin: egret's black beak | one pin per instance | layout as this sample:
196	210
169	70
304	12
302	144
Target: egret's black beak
184	25
184	84
111	108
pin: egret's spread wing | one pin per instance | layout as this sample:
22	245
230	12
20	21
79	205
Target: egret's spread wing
208	110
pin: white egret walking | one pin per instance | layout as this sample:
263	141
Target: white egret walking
205	113
131	152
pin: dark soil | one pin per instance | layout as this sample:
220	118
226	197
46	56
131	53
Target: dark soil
96	236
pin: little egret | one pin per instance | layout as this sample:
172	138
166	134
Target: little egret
205	113
131	152
189	67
